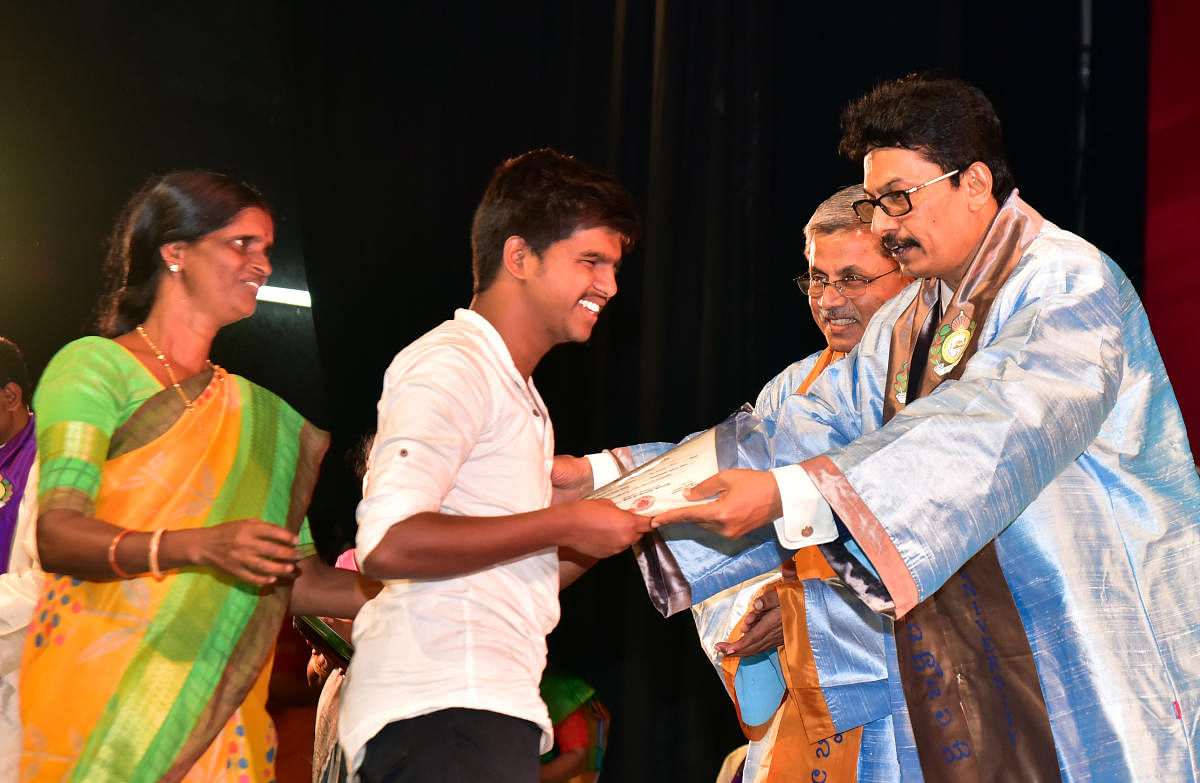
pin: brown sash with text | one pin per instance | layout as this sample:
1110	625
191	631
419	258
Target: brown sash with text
968	672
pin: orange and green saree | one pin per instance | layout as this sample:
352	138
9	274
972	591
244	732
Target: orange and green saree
136	679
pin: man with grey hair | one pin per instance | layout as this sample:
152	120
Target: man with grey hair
813	634
849	277
761	634
1001	468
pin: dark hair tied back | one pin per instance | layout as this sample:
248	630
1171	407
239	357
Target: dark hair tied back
182	206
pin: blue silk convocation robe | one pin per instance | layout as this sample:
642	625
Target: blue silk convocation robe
1062	442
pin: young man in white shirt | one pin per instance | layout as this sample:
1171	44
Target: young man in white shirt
456	517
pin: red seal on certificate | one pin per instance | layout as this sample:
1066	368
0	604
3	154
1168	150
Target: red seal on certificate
642	503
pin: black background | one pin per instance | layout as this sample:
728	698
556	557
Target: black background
373	132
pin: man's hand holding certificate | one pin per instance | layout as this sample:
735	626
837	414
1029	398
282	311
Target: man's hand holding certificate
729	503
660	485
700	481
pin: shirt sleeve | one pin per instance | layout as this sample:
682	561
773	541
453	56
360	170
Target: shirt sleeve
807	518
604	468
433	409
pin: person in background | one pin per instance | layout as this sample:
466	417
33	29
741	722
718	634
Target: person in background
20	575
581	725
1009	470
171	517
761	634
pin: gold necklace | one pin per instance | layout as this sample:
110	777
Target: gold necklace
167	366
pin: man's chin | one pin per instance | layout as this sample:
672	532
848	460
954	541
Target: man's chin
581	335
843	343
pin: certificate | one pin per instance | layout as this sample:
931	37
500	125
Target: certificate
659	485
683	564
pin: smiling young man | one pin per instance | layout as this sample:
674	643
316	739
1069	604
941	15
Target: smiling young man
1010	468
454	517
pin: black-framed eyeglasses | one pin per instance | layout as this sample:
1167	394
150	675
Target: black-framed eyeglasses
894	203
849	286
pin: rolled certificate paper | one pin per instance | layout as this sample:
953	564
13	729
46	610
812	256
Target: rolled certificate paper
683	564
659	484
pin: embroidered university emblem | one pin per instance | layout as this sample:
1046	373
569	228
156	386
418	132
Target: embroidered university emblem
950	342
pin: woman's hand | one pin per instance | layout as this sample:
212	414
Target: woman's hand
250	549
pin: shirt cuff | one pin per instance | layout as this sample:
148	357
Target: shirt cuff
807	519
604	469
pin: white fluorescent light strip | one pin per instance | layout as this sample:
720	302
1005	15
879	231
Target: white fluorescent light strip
288	296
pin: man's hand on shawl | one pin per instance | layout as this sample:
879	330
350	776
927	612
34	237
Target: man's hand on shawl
250	549
571	478
762	628
746	499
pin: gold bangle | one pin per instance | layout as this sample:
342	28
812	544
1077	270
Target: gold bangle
154	541
112	554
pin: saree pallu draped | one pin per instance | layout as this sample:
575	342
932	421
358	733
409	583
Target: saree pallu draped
145	680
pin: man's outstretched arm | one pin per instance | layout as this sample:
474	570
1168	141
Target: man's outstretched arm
433	544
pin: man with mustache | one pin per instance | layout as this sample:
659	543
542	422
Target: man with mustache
1002	467
849	277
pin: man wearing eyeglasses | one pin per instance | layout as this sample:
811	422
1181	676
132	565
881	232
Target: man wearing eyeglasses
835	724
849	277
1001	467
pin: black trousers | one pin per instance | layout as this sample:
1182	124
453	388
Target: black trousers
454	746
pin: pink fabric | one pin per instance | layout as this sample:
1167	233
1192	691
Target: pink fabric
347	560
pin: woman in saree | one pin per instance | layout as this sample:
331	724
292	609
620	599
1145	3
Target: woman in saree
171	512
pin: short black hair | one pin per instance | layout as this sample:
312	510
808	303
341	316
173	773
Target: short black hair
13	369
949	122
544	196
181	206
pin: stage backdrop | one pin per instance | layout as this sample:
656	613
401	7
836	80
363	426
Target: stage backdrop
373	132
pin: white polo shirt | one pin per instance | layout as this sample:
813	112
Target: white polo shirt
460	432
